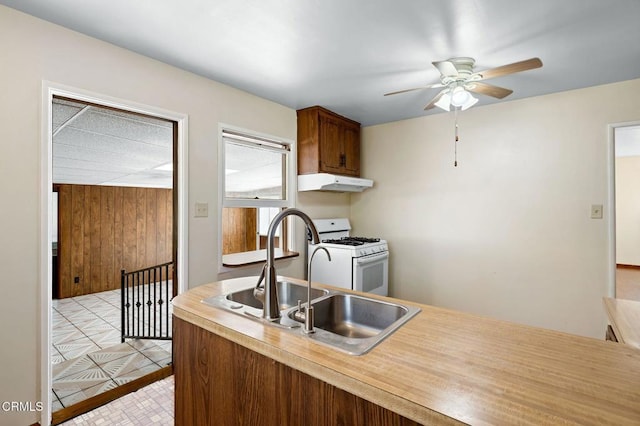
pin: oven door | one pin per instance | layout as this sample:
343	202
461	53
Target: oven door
371	273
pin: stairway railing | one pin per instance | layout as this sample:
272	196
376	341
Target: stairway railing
145	296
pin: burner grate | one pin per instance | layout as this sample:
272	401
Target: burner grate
352	241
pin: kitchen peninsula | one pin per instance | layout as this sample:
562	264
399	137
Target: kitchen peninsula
441	367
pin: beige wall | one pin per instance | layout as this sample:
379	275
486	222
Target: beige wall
627	210
507	233
33	51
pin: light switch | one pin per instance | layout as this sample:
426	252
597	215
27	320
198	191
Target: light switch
596	211
202	210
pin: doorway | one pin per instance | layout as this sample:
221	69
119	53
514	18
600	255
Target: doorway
627	211
94	181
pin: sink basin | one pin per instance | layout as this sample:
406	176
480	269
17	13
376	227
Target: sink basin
243	302
355	324
347	322
356	317
288	295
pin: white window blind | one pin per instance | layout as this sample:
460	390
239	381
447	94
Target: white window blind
256	171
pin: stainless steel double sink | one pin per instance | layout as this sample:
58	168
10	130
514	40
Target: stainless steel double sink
347	322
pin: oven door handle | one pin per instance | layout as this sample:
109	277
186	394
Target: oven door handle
372	258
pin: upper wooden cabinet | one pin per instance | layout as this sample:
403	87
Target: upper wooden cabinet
327	143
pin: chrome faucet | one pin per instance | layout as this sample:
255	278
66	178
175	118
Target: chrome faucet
307	315
269	294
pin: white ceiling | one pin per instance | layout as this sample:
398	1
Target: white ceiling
345	55
100	146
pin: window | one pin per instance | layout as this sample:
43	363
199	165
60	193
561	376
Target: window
255	176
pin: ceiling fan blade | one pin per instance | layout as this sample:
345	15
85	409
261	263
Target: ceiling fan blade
416	88
435	99
489	89
525	65
446	68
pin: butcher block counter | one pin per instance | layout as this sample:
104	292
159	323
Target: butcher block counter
441	367
624	316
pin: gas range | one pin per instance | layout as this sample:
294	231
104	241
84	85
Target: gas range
357	246
357	263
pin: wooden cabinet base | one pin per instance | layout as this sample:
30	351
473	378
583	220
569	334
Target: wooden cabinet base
220	382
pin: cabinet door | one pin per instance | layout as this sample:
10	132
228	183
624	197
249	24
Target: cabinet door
351	150
331	155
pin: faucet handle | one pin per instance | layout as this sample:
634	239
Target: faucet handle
308	320
307	317
262	276
258	292
299	315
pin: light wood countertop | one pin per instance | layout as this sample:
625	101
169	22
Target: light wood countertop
446	367
624	316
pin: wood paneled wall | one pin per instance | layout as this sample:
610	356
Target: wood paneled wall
104	229
239	225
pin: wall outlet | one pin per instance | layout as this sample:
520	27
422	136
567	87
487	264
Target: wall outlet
202	210
596	211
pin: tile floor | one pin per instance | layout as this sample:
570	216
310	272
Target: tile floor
151	405
87	355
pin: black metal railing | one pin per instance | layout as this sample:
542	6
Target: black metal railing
146	294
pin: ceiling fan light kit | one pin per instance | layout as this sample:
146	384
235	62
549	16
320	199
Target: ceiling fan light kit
444	102
458	79
458	97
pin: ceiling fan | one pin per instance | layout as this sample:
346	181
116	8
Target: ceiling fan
458	79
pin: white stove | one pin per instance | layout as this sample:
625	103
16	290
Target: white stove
357	263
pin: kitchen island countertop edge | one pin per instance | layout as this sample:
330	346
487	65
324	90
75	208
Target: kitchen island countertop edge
445	366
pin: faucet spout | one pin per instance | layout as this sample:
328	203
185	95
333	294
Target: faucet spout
271	307
307	315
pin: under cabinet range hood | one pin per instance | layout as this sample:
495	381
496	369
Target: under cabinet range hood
330	182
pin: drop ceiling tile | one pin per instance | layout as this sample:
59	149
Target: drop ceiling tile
85	153
126	128
110	147
101	142
62	113
81	164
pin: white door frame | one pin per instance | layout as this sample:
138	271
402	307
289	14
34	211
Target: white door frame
611	208
49	90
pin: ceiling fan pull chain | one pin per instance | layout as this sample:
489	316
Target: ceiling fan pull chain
455	141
